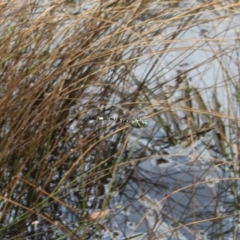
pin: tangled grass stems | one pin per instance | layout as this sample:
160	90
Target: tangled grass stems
60	67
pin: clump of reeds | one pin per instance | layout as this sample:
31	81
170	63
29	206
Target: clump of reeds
63	63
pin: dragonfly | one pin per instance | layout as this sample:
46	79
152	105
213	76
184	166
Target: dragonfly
136	123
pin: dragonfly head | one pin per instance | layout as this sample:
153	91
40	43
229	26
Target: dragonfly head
144	123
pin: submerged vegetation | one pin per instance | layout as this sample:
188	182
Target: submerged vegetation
174	64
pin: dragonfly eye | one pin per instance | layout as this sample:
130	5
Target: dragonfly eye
144	123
